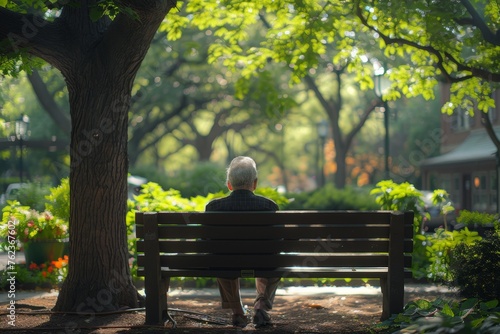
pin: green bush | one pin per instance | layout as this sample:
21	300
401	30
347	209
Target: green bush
484	223
58	200
202	179
444	316
330	198
33	195
441	245
475	268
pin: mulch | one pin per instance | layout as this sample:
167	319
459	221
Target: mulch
305	314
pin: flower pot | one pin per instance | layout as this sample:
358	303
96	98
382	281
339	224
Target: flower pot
43	251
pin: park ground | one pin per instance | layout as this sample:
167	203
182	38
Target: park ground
298	310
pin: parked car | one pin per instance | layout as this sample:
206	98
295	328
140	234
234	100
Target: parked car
436	217
134	185
11	192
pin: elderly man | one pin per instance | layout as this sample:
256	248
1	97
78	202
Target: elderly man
242	181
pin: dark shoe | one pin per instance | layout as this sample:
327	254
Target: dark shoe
240	320
261	318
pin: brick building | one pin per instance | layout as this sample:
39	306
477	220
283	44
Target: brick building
467	164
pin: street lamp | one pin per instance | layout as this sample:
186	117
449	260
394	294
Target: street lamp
382	84
322	128
22	132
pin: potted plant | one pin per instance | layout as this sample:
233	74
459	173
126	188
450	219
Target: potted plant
41	235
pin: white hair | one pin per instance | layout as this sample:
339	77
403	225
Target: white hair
242	172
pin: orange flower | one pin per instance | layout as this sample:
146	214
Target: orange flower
58	264
33	266
44	273
43	265
50	269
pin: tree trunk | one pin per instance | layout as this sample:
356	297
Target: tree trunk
340	175
101	280
99	75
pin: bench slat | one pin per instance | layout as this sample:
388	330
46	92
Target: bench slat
284	272
274	246
269	261
271	232
279	217
242	261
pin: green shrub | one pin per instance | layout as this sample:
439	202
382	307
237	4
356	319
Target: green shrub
441	245
469	218
330	198
58	200
475	268
202	179
431	251
444	316
33	195
405	197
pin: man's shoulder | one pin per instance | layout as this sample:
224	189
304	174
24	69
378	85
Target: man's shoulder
216	203
269	203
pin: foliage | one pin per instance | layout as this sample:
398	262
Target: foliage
475	218
48	274
203	178
331	198
33	195
443	316
438	38
405	197
30	224
432	251
475	268
58	200
274	195
441	245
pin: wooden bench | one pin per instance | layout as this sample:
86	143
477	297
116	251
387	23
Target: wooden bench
295	244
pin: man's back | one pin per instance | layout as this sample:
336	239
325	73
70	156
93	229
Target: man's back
242	200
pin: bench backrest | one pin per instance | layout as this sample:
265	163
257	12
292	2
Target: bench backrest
266	240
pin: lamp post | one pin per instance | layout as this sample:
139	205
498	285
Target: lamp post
22	132
381	86
322	128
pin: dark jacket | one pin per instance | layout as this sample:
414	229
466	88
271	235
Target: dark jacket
242	200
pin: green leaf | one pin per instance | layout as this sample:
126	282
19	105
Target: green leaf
3	3
469	303
447	311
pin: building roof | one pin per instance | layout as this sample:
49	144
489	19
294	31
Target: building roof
476	147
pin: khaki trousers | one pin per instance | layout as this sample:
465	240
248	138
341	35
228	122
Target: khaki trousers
231	299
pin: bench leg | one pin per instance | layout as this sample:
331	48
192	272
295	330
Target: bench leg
386	313
164	303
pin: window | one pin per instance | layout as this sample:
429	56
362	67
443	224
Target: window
461	120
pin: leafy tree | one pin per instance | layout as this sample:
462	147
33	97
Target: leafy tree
452	41
98	47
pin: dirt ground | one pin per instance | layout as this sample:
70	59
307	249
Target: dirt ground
305	314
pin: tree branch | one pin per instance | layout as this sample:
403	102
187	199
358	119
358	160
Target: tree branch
138	31
478	21
47	101
477	72
31	34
